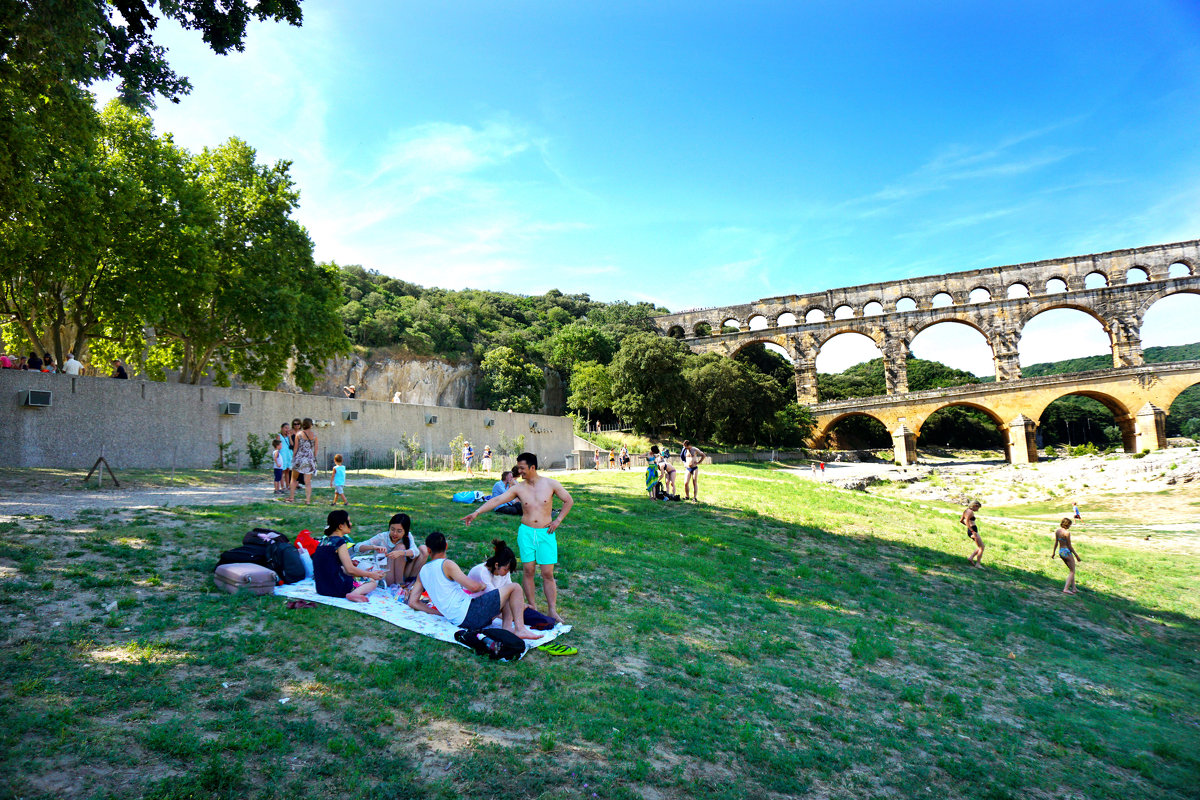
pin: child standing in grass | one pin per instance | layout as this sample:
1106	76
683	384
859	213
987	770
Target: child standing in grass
277	462
968	519
337	481
333	569
1066	551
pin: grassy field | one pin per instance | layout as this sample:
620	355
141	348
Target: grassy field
782	639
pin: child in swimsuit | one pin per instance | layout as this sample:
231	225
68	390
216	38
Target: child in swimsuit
968	519
1066	551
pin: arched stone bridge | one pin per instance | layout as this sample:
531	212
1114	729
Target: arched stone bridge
1115	288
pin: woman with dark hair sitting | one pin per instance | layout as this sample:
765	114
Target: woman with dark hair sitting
333	569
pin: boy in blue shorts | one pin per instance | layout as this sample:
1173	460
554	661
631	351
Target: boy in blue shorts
337	480
536	537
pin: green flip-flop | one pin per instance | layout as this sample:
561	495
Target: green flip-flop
559	649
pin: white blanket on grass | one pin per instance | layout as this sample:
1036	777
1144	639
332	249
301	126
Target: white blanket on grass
384	604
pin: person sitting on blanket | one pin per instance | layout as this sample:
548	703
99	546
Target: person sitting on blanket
501	486
448	590
332	566
404	557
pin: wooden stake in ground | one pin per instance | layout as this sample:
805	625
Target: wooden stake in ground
100	476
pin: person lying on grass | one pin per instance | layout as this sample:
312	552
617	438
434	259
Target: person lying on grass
333	567
404	558
449	595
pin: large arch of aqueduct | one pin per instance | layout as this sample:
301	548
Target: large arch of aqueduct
998	302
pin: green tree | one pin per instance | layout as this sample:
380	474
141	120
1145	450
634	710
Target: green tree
255	300
647	380
113	230
730	401
50	50
509	382
591	389
577	343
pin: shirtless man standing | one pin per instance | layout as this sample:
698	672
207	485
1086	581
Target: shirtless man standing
692	456
535	537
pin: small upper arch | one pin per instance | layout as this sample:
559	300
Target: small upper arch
906	303
1180	269
1056	285
785	319
1018	289
980	294
815	314
1137	275
1095	280
675	332
942	300
758	322
702	329
843	312
873	309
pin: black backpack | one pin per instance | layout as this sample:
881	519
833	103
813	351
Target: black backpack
264	536
281	558
495	643
247	554
286	561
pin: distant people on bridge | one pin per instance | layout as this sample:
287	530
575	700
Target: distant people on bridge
33	363
350	391
48	364
119	370
396	398
6	363
972	526
1066	551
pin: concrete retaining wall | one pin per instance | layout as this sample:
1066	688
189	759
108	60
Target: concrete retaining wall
144	424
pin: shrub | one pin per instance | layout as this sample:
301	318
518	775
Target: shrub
257	449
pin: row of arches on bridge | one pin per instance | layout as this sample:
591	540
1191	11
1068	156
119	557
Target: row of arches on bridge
1122	417
980	294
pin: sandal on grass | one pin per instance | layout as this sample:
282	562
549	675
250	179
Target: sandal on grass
555	649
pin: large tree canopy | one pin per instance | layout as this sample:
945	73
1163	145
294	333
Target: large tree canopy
171	261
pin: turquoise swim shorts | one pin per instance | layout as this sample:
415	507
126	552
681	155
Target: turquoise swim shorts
537	544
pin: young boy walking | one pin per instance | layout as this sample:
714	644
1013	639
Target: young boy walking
337	480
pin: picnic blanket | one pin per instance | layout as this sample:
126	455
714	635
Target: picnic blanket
385	604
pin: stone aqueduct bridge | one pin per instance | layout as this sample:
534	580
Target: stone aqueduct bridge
997	302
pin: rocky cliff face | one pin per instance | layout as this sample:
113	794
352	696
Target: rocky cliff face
422	381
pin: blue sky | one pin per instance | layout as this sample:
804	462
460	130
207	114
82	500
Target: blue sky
697	154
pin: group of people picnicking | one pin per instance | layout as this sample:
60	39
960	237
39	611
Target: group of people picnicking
433	583
70	365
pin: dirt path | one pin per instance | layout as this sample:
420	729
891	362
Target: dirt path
66	504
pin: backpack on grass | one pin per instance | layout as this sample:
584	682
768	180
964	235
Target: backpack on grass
495	643
263	536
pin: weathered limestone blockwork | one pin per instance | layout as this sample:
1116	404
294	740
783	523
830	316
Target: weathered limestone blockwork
1015	295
